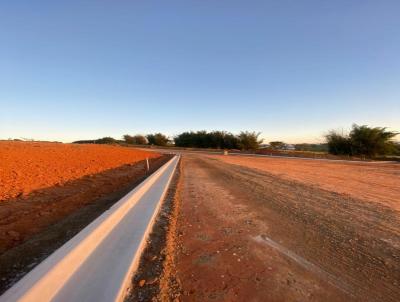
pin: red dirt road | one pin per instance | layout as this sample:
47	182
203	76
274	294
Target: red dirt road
376	182
248	235
25	167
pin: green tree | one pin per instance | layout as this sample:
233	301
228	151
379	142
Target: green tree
249	140
362	140
128	139
140	139
338	144
204	139
372	141
135	140
157	139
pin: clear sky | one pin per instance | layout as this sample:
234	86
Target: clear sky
291	69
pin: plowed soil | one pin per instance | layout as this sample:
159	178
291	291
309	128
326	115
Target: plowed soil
245	234
25	167
376	182
42	183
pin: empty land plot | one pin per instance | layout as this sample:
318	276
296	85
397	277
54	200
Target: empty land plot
245	234
376	182
26	167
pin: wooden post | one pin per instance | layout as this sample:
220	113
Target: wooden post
147	165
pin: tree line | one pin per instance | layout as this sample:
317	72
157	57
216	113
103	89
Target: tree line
245	140
361	140
364	141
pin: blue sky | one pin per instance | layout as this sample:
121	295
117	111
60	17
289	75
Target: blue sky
291	69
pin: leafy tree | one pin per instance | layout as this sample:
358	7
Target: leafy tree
277	145
372	141
204	139
129	139
230	141
249	140
338	144
157	139
135	140
184	139
140	139
362	140
397	148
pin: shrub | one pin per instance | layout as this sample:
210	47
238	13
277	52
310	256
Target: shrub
249	140
204	139
362	140
157	139
372	141
135	140
128	139
106	140
338	144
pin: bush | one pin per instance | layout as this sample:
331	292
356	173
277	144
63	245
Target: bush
204	139
135	140
157	139
338	144
249	140
372	141
128	139
362	140
397	148
106	140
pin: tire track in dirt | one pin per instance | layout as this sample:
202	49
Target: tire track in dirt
224	207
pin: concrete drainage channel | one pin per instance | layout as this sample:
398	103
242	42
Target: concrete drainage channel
98	263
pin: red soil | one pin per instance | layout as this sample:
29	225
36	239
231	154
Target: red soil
376	182
43	183
26	167
244	234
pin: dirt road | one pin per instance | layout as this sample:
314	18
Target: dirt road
250	235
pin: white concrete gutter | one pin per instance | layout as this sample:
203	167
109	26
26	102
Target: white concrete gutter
98	263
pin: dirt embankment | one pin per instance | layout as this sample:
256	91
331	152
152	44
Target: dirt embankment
376	182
